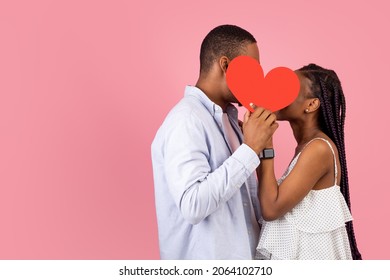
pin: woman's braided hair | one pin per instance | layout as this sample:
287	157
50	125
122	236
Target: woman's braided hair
326	87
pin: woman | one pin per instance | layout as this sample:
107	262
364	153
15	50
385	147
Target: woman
307	212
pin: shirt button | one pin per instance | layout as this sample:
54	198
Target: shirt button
245	204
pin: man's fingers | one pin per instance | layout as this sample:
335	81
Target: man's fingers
247	115
274	126
271	119
258	111
265	115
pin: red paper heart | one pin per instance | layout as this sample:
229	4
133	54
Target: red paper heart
245	79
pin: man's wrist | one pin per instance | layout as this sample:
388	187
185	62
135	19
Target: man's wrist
247	156
257	151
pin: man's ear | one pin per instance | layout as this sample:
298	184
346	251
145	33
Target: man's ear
223	63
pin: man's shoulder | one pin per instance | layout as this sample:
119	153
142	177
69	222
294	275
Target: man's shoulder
188	109
189	115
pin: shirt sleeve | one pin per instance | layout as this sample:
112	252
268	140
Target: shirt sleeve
197	190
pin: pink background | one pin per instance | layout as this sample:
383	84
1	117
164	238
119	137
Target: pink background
84	85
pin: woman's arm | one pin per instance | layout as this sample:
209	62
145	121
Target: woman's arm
314	162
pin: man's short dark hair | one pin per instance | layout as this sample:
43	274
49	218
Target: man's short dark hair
224	40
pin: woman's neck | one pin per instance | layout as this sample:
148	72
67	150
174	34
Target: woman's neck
303	133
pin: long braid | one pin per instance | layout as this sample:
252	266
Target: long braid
340	116
327	88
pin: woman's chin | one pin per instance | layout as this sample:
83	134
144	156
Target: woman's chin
279	116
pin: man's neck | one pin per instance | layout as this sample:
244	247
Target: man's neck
212	92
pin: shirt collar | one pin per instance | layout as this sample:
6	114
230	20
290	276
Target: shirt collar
213	108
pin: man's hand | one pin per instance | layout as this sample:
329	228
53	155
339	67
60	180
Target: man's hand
258	128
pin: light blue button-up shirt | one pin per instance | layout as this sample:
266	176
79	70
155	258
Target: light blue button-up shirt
203	207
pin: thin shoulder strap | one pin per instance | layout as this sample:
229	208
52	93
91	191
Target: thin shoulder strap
334	155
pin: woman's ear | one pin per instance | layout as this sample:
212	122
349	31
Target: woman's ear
223	63
313	105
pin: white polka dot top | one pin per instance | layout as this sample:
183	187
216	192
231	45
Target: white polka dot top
313	230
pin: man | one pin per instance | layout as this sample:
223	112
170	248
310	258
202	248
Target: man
205	184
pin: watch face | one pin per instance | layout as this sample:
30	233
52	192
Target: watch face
268	153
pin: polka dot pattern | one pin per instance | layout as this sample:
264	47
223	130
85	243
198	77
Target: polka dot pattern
313	230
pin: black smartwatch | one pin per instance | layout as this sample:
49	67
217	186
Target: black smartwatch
267	154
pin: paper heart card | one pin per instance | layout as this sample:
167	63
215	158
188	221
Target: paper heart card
245	78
